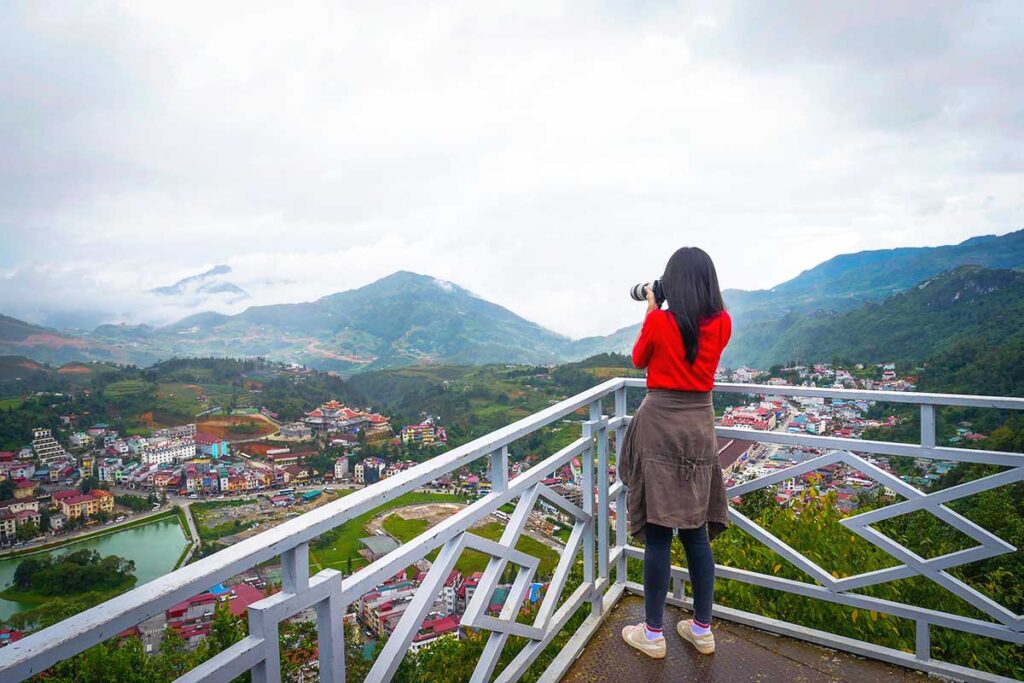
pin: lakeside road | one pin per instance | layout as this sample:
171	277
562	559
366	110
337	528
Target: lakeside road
187	513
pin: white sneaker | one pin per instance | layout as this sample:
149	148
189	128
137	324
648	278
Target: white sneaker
704	644
634	636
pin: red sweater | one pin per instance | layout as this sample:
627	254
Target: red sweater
659	348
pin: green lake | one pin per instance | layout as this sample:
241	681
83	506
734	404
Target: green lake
154	547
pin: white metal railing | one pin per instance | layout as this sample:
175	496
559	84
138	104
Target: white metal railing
330	593
1005	625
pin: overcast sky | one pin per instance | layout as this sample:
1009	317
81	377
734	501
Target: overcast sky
544	155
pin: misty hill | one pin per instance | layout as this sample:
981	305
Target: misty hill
402	319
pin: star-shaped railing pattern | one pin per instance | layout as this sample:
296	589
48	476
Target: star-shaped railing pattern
913	564
502	554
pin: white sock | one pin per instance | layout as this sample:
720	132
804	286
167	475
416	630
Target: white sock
653	635
699	630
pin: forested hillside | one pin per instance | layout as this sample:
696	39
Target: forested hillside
846	281
967	304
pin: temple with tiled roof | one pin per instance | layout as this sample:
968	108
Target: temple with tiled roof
339	418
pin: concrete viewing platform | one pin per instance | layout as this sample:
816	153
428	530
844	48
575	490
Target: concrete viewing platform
743	654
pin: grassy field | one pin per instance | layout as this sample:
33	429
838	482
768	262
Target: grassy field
10	403
346	544
472	561
178	399
125	388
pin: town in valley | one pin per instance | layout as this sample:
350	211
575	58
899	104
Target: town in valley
232	473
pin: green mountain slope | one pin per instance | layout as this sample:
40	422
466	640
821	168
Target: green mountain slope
847	280
969	302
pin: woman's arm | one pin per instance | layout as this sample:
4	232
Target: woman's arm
652	302
644	346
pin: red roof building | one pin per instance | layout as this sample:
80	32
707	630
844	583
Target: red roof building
435	629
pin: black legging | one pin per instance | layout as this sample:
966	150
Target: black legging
657	564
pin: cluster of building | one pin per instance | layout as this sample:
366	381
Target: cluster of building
843	418
370	470
61	507
880	377
761	416
45	461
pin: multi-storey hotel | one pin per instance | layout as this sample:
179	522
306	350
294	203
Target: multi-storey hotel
49	453
171	445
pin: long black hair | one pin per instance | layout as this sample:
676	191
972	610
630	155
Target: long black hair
691	287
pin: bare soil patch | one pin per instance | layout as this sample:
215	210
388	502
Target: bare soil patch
432	513
225	426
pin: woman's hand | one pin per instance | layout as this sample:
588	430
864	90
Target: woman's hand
652	303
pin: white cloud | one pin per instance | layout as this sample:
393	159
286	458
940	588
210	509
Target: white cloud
544	155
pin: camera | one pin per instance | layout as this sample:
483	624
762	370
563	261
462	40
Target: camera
638	294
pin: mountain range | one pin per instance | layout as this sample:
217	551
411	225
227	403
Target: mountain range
869	305
972	302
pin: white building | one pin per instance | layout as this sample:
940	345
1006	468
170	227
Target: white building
448	592
341	468
159	452
170	445
109	469
296	430
80	440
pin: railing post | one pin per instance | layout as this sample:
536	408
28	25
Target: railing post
330	629
498	469
589	577
620	498
923	640
263	625
927	425
603	549
295	569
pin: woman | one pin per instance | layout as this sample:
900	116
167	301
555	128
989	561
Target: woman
669	457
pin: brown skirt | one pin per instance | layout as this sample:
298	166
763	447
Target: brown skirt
669	461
